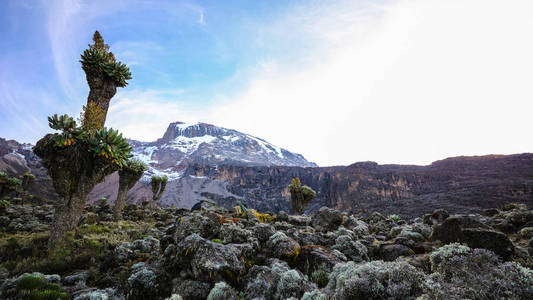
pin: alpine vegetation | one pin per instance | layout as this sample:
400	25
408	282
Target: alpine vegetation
78	157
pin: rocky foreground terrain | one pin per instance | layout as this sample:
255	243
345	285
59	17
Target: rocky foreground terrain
218	254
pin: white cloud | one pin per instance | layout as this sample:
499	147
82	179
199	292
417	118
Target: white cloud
145	115
401	82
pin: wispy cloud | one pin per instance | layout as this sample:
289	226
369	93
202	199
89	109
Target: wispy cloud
404	82
144	115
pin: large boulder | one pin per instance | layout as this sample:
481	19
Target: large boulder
204	260
327	219
275	281
222	291
204	223
315	257
390	252
438	216
353	250
375	280
466	229
191	289
142	283
281	246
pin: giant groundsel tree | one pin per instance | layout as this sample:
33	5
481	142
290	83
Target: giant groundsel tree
301	195
78	157
130	173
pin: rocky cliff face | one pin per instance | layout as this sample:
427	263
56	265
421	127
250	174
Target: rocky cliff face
17	158
456	184
217	171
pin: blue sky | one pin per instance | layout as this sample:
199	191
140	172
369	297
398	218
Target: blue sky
393	81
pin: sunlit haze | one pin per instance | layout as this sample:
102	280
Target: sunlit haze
405	82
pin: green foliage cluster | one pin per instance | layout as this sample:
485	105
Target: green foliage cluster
97	59
301	195
103	142
8	184
13	182
394	218
4	204
27	179
110	144
158	186
136	166
320	277
34	287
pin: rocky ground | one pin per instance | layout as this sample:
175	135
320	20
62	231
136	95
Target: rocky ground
216	254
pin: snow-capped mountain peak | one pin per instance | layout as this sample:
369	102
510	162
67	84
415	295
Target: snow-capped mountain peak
184	144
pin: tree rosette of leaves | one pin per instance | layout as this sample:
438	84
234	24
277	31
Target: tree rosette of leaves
106	143
95	60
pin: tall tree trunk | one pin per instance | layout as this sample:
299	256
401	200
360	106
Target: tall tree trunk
119	204
102	89
66	217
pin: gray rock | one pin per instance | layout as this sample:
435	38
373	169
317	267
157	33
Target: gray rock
354	250
393	251
147	245
327	219
263	231
233	233
143	282
204	223
204	260
280	245
192	290
222	291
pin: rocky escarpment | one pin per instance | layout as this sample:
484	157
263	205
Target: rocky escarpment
460	184
220	254
465	184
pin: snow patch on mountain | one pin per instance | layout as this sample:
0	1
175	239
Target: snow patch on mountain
184	144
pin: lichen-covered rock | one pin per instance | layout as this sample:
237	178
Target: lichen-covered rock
375	280
282	216
204	223
192	290
97	294
314	257
526	232
204	260
354	250
438	216
390	252
462	272
359	227
314	295
222	291
275	281
300	220
124	252
233	233
466	229
327	219
142	283
263	231
492	240
280	245
290	285
412	235
147	245
451	229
